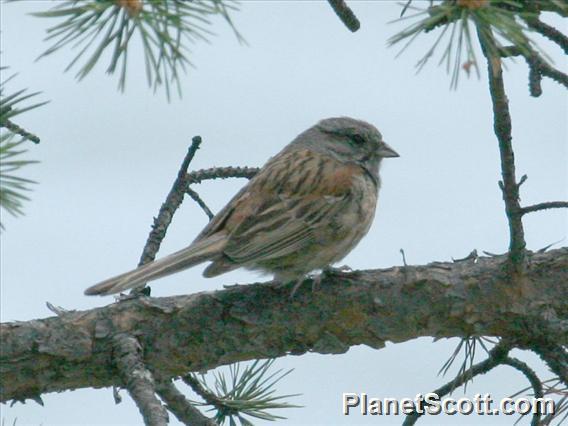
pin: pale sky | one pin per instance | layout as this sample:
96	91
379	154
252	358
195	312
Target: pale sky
108	161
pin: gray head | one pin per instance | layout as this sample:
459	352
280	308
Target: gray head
348	140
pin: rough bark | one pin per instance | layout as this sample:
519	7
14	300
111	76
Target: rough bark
204	330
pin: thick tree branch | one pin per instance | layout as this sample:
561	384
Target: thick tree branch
204	330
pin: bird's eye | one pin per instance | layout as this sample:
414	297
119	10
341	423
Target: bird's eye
358	139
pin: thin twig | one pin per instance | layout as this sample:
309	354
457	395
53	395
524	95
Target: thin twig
538	66
496	357
221	173
535	78
555	357
552	73
509	51
345	14
169	207
178	404
545	206
208	397
403	257
502	127
200	202
138	379
14	128
548	31
535	382
215	173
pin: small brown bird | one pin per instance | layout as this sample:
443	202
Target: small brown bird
306	209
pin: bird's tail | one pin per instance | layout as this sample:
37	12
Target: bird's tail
196	253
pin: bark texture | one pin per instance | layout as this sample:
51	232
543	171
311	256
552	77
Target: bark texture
204	330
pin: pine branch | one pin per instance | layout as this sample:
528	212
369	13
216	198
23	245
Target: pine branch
548	31
453	19
165	28
533	379
169	207
72	350
12	186
17	130
545	206
503	131
195	196
221	173
178	404
345	14
250	393
138	379
496	357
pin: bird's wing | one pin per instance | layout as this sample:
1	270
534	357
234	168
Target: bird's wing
287	226
279	210
277	179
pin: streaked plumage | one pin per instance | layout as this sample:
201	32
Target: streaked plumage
305	209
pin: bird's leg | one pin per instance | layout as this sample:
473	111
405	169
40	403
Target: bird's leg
135	293
299	282
317	279
335	271
326	272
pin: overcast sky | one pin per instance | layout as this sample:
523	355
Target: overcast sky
108	161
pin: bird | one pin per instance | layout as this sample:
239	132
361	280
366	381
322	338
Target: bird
305	210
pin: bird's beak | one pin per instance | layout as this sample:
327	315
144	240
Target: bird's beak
386	151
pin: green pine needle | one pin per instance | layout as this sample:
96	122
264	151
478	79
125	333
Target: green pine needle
457	25
164	27
12	186
247	393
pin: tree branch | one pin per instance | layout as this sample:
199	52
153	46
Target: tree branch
178	404
208	397
169	207
533	379
14	128
539	68
502	126
548	31
221	173
205	330
345	14
545	206
138	379
195	196
496	357
555	356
